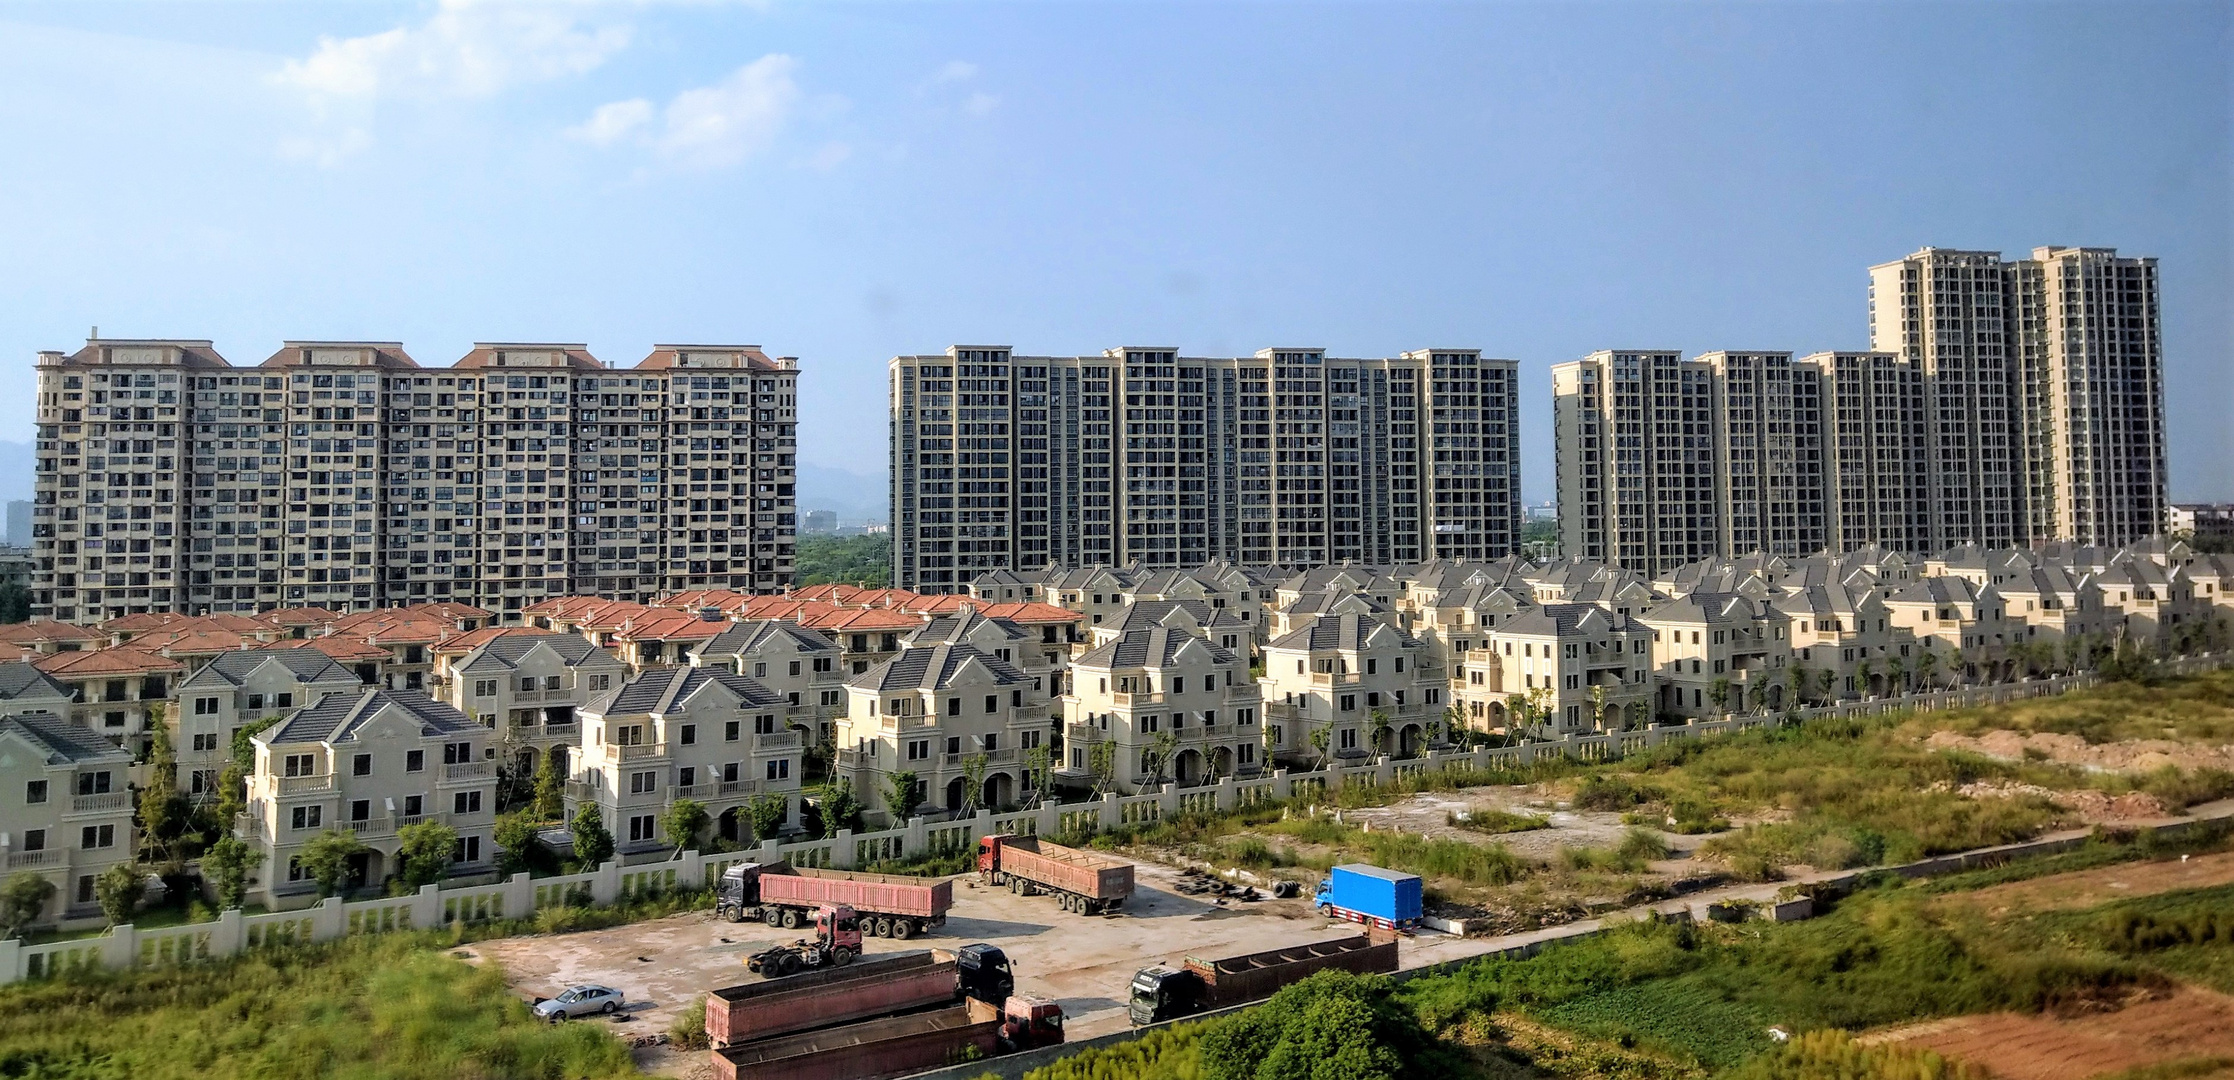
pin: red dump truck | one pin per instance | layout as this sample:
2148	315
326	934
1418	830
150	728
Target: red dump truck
896	1045
783	895
1086	882
868	987
1163	993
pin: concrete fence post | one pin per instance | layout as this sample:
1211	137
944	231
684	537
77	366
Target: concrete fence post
916	840
1048	817
843	850
330	919
605	888
11	961
1282	787
121	948
1228	796
228	935
426	906
1167	800
519	896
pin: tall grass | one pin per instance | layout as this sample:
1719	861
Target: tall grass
375	1006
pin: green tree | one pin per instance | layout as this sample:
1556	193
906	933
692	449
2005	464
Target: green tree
767	812
162	811
973	781
849	560
841	809
549	801
1598	706
900	795
1101	762
1896	674
119	889
1863	672
1162	748
1826	681
1379	725
226	865
326	858
1331	1026
1718	692
243	748
232	794
21	902
685	819
592	844
1798	678
1039	772
15	603
517	841
424	853
1927	666
1322	739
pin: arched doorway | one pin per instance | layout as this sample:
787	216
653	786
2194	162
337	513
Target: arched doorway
954	791
1408	741
525	762
728	827
558	758
1000	791
1221	762
1187	767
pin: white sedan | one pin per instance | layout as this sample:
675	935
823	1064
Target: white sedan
579	1001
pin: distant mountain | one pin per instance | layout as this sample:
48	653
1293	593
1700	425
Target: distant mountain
857	497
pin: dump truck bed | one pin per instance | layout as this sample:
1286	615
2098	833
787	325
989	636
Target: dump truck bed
1234	979
880	894
1086	873
890	1046
889	984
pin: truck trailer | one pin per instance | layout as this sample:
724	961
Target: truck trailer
1086	882
902	982
896	1045
1371	895
1165	993
779	894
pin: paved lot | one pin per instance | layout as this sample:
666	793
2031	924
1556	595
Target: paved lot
1083	963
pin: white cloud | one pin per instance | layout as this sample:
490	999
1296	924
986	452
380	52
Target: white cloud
945	90
980	103
609	123
326	151
465	49
828	156
954	71
710	126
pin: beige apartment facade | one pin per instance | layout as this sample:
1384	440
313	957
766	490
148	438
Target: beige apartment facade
344	474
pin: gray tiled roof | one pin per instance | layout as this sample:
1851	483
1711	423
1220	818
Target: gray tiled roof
749	637
308	665
504	653
1345	632
1159	647
19	679
934	668
336	716
657	691
958	628
63	741
1560	620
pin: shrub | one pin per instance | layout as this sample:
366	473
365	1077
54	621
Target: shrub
689	1029
1834	1055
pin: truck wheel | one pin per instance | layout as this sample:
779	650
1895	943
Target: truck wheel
772	917
790	964
883	927
903	929
841	956
790	919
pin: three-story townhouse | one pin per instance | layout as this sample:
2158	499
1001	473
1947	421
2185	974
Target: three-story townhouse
1719	652
1836	631
944	714
801	666
112	690
529	687
706	734
65	808
1956	631
2050	608
1576	667
1175	707
243	688
372	762
1354	678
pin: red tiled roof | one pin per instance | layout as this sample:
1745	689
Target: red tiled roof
474	639
141	621
1030	612
289	618
194	642
121	660
863	620
670	626
348	649
41	631
612	615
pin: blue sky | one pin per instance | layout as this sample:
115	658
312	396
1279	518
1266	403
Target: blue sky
843	182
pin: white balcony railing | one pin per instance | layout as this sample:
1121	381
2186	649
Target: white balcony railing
306	785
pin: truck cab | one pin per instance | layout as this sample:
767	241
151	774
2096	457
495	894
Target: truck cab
837	927
1031	1022
1162	993
738	890
989	854
984	973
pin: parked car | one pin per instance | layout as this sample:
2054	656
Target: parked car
579	1001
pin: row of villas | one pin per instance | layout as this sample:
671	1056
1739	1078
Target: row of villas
1154	677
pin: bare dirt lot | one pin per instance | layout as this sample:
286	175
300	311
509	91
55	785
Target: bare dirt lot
1082	963
2190	1023
2124	755
2088	888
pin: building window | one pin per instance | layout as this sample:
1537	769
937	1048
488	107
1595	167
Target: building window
642	828
205	706
686	776
468	849
361	765
306	817
35	791
919	749
93	783
600	681
466	802
360	809
643	783
729	731
300	764
690	734
779	769
484	688
414	761
34	839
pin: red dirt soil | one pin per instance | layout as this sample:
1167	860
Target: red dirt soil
2188	1023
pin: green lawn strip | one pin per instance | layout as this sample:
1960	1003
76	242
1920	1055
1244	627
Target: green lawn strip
376	1006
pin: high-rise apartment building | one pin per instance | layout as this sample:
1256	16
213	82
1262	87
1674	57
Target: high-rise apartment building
1006	462
1636	458
344	475
1869	440
2089	374
1948	311
1767	453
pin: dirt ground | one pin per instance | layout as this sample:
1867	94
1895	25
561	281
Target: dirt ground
1083	963
2127	755
2190	1023
2088	888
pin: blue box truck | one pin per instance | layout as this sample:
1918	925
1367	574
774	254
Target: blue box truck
1371	895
